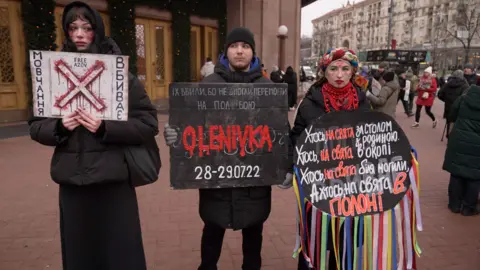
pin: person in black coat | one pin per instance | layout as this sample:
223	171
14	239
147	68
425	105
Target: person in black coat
453	89
462	157
402	80
99	219
276	75
243	208
470	75
291	79
325	96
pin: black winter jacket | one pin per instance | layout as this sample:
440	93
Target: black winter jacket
83	158
462	157
450	92
235	208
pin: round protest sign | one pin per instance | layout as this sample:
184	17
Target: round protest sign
353	163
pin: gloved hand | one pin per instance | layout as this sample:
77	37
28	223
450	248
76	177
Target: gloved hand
170	135
288	182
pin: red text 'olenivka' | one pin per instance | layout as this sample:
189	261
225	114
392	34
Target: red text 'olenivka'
230	138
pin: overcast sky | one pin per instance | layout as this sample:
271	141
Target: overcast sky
317	9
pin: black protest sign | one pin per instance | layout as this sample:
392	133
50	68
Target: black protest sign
230	135
353	163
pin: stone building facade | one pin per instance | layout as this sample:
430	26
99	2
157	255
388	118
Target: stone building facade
153	44
414	24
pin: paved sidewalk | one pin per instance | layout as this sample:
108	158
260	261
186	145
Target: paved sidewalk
30	240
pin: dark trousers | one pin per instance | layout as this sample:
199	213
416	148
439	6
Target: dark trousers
404	103
463	193
449	124
411	96
292	98
212	240
428	110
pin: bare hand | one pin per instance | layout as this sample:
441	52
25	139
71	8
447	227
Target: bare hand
70	121
88	120
288	182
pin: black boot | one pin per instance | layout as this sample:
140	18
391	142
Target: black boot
470	212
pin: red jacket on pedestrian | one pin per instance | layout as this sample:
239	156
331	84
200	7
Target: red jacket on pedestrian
422	89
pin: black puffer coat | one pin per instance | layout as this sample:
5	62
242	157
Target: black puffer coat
462	157
83	158
235	208
450	92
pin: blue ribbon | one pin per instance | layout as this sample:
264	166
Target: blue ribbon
360	244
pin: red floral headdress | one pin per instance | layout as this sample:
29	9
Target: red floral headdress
336	54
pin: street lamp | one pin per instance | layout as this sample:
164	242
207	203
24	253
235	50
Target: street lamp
282	35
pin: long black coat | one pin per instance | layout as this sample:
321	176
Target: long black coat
235	208
462	157
450	92
291	79
99	220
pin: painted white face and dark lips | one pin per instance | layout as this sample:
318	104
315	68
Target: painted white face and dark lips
81	33
339	73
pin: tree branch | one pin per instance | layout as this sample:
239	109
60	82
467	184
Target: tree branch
476	27
454	35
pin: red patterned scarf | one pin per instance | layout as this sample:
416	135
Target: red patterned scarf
340	99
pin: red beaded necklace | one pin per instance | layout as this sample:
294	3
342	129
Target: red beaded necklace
340	99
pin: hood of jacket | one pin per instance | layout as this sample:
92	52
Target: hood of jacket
101	43
222	68
472	98
455	82
394	84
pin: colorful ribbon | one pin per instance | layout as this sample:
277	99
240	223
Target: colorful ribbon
380	242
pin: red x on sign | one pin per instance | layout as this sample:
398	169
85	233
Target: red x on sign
79	85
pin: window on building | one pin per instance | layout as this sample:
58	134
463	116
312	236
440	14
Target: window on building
6	57
141	57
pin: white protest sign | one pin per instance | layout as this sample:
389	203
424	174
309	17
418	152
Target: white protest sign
63	82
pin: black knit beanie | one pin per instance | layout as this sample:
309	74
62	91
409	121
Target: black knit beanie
240	34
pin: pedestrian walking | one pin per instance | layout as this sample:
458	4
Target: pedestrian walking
426	96
452	90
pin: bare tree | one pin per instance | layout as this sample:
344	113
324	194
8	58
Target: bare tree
466	26
439	38
323	39
305	42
